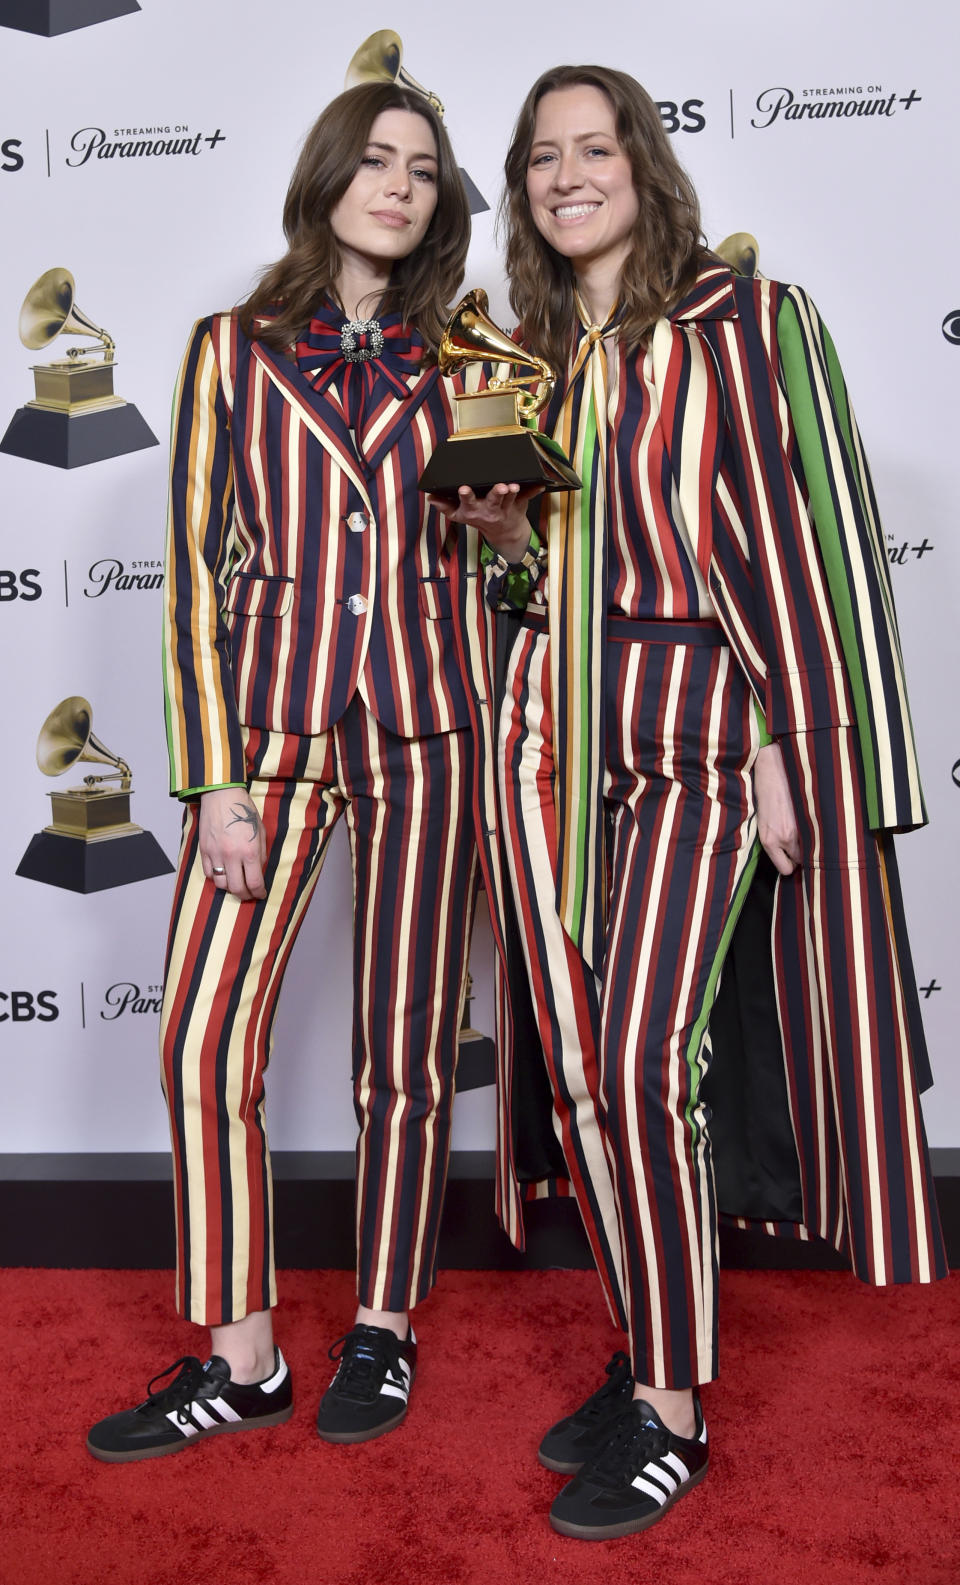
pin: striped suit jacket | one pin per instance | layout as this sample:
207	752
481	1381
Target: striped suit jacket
298	575
773	485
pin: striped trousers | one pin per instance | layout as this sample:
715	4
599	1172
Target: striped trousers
407	805
626	1052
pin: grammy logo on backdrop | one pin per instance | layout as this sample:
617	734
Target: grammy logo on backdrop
91	843
50	17
74	417
378	60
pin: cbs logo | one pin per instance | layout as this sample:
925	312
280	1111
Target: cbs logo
670	114
22	1007
20	585
10	157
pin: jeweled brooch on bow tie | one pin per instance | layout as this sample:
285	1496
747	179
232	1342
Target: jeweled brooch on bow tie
361	339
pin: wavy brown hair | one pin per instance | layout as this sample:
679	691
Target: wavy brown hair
421	285
666	240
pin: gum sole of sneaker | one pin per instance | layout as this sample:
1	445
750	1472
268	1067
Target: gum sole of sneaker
363	1436
110	1456
608	1532
555	1464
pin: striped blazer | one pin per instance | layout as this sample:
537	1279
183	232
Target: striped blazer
297	574
773	485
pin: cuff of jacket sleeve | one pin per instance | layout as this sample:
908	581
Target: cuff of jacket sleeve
194	792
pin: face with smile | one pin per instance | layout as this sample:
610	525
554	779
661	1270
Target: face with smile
579	180
384	213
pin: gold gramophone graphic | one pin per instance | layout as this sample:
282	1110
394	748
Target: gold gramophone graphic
741	251
91	844
378	60
75	417
50	17
492	444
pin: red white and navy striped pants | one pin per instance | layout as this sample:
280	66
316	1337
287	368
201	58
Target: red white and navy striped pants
626	1051
406	803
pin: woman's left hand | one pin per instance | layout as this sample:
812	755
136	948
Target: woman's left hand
500	515
776	821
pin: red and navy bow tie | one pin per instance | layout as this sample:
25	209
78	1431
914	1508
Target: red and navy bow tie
358	354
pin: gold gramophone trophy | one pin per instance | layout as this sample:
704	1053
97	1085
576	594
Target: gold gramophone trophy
378	61
74	418
91	843
50	17
493	444
741	251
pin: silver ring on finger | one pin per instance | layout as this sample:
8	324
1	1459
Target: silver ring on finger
218	870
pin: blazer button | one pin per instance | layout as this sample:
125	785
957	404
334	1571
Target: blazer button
356	605
358	521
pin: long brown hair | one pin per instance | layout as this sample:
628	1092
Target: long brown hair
666	244
421	285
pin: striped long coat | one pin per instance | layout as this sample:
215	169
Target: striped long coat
774	489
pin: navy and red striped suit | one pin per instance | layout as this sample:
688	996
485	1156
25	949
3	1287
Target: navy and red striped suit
766	475
313	656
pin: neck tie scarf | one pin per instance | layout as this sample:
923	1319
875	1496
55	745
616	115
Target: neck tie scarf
577	550
367	359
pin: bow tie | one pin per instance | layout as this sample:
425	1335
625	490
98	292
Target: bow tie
359	354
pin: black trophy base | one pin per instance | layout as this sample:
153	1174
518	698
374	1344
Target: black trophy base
80	866
71	440
476	1063
50	17
520	457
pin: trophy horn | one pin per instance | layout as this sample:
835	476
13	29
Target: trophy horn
65	737
378	61
49	309
471	335
741	251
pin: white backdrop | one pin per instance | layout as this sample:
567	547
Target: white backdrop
856	204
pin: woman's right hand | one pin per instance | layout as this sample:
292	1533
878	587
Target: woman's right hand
500	515
232	841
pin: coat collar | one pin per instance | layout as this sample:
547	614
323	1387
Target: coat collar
712	296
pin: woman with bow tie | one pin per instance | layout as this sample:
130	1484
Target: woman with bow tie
314	610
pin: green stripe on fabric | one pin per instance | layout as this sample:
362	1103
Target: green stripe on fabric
817	472
585	550
839	389
695	1043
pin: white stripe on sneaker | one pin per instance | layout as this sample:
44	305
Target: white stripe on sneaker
279	1376
222	1407
200	1414
677	1465
185	1427
656	1492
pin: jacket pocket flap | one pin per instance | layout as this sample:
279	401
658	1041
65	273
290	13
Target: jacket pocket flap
248	595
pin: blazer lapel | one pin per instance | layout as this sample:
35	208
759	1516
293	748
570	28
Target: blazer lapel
321	415
384	426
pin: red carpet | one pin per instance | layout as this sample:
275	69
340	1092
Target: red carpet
834	1431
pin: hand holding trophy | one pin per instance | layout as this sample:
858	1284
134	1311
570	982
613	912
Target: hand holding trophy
493	443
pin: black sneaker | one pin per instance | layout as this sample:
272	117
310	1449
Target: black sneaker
568	1444
201	1401
640	1473
369	1393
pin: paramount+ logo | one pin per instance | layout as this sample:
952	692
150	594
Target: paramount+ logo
831	104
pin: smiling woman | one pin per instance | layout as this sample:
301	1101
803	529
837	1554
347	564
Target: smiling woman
705	662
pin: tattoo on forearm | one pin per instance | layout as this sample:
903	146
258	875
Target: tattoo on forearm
244	816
